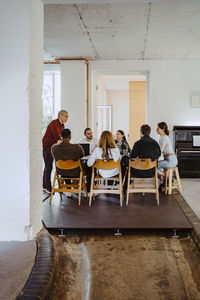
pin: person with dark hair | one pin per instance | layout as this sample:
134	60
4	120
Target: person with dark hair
65	151
146	147
89	139
122	143
52	136
170	159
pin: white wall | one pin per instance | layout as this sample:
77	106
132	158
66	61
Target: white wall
170	84
20	118
73	96
35	114
101	93
119	99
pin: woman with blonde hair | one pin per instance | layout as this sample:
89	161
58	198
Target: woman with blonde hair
106	150
170	159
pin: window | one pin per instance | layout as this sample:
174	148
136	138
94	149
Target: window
50	97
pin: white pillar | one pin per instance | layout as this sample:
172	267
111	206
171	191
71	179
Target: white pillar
21	31
73	95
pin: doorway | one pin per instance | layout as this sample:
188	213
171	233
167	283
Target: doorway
127	97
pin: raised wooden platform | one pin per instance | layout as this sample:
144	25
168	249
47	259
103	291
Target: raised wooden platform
106	213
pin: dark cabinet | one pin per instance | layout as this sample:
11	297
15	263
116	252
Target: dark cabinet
188	155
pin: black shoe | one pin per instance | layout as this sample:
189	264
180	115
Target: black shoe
161	188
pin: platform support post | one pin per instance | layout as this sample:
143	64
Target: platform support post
175	234
117	232
61	232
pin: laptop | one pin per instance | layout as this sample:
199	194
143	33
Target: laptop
86	148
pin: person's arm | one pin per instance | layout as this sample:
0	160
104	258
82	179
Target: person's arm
92	158
135	151
129	149
55	131
115	154
53	151
162	143
157	151
80	151
93	144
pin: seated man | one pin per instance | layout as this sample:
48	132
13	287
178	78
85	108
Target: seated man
88	139
146	147
65	151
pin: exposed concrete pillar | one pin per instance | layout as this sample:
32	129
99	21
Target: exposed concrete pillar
21	76
73	95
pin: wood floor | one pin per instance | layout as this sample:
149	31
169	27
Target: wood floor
106	213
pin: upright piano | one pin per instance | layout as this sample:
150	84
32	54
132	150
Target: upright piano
187	147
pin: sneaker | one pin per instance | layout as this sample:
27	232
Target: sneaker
47	190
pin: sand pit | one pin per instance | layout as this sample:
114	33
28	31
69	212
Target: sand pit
127	267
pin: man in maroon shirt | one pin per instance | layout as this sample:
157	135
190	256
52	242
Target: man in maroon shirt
52	136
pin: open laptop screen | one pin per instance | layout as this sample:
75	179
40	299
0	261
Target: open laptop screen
86	148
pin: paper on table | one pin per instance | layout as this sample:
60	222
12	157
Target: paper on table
196	140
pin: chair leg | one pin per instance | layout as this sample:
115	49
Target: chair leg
166	181
170	181
52	190
121	189
60	196
91	189
157	193
80	185
128	186
85	187
178	179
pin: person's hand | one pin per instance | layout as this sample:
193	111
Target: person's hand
59	141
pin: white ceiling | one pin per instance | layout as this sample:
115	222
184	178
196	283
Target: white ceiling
160	29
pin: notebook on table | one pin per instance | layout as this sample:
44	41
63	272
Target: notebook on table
86	148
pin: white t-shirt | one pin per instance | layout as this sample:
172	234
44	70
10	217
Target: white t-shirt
165	145
97	154
93	143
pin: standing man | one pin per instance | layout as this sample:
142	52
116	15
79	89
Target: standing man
52	136
88	139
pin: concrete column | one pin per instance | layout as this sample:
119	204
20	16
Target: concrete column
73	96
21	31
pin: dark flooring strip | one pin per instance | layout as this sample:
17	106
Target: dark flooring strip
40	282
194	220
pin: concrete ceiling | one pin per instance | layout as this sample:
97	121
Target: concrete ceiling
132	30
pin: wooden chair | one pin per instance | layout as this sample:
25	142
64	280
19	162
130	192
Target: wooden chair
99	185
169	184
142	185
77	183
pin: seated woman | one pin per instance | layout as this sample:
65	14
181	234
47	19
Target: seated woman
122	143
106	150
170	160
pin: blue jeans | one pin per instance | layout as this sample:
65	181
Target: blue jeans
169	162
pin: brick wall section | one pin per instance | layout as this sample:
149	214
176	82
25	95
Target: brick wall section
40	282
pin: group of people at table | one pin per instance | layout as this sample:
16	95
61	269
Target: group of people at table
57	145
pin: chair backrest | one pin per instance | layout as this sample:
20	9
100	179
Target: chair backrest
142	163
106	165
67	164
